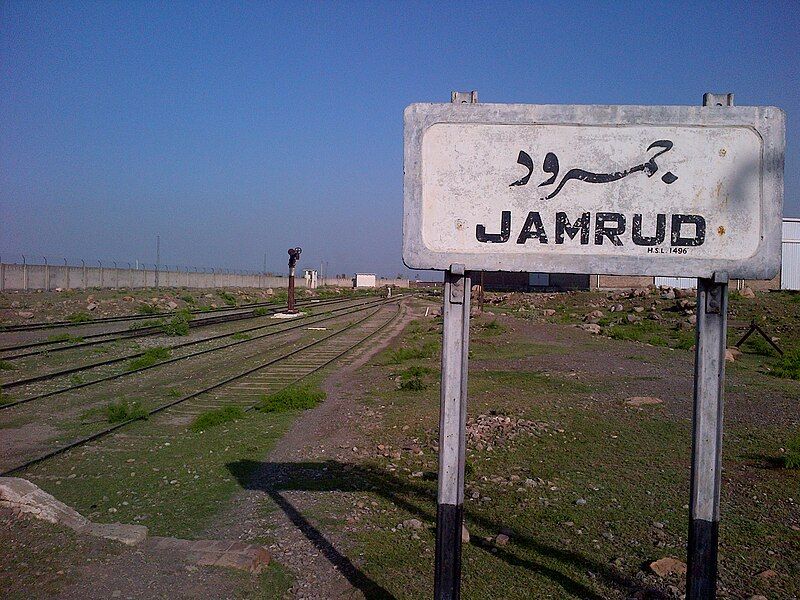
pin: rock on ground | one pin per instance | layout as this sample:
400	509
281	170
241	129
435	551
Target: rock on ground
643	401
666	566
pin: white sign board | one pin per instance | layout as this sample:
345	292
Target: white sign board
630	190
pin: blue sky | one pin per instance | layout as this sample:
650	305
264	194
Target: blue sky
234	129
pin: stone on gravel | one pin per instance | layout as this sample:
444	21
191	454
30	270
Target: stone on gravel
24	314
747	293
632	318
24	497
643	401
729	357
768	574
592	328
580	502
120	532
464	534
501	539
412	524
172	305
548	312
758	597
666	566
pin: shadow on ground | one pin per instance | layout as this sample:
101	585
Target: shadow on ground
274	478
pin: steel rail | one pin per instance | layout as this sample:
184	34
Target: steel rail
338	356
114	336
111	361
163	407
296	325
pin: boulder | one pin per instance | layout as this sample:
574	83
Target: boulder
747	293
592	328
548	312
501	539
24	314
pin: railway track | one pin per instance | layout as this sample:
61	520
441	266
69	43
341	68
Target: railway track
244	387
134	332
116	319
280	327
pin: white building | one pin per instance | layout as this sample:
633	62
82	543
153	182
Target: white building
310	275
790	263
365	280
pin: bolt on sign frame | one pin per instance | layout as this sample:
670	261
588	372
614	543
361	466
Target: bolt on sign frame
624	190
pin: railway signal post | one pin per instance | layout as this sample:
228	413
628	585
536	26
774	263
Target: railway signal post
294	256
621	190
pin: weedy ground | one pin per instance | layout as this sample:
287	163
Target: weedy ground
588	488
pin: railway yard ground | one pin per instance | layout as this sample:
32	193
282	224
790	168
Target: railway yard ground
316	438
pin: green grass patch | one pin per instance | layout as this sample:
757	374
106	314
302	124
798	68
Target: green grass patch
240	336
179	324
65	337
212	418
227	298
6	366
413	384
426	350
758	345
261	311
117	412
174	393
149	323
791	459
530	381
79	317
295	397
493	327
189	299
787	366
149	358
146	308
76	379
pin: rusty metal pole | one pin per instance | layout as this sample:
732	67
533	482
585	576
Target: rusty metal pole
294	255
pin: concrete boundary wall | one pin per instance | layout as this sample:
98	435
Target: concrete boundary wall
15	276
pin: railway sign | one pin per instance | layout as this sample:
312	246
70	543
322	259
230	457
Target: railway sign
627	190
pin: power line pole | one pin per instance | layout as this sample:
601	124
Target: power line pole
158	257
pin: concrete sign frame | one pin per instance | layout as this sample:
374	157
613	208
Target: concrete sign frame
450	147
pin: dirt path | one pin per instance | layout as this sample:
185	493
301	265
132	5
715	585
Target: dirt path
317	559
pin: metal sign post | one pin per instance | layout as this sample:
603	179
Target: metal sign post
709	385
452	423
620	190
452	437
